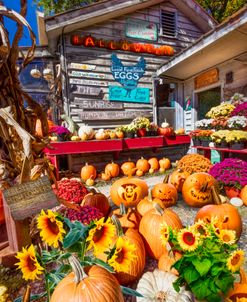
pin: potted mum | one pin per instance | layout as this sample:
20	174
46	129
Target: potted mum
210	258
236	139
237	122
205	137
219	138
130	130
195	137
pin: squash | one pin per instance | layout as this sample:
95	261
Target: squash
129	218
147	203
226	213
139	173
167	260
100	135
177	178
239	291
243	195
142	165
128	191
75	138
91	284
85	129
165	163
165	192
158	286
150	228
196	189
119	134
154	164
128	168
105	176
97	200
112	169
88	171
90	181
165	124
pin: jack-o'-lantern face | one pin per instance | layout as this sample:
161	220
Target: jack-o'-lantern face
167	193
177	179
196	189
128	191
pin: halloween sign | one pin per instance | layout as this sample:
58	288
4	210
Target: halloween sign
125	45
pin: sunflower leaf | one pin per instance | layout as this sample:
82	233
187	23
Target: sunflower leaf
190	274
103	264
32	298
202	265
71	238
201	289
130	291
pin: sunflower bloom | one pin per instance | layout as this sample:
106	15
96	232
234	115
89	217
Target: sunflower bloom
51	229
164	233
124	254
29	264
227	236
101	236
201	228
235	260
216	224
188	239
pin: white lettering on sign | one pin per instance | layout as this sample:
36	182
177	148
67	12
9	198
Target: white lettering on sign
87	90
82	74
82	66
95	104
111	115
88	82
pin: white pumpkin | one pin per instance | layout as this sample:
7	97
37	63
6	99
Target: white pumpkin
236	201
211	145
165	124
85	129
157	286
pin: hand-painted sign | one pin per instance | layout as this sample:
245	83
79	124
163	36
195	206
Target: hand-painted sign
82	74
88	82
110	115
96	104
85	90
137	95
141	30
82	66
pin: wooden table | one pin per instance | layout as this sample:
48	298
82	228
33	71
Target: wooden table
225	152
111	145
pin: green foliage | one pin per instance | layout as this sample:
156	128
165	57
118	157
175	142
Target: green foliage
58	6
221	9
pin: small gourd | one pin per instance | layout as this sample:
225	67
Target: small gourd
165	124
90	182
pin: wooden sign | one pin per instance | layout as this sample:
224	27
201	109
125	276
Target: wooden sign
137	95
88	82
82	66
85	90
207	78
139	29
93	104
84	74
112	115
30	198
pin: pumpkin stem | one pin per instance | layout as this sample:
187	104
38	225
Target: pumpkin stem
165	181
93	191
122	209
118	226
158	208
150	197
215	195
204	187
243	277
77	269
27	294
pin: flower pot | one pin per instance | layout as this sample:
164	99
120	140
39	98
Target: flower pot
205	143
196	142
237	146
130	134
141	132
222	145
232	192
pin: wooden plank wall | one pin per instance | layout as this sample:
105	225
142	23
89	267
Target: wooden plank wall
85	91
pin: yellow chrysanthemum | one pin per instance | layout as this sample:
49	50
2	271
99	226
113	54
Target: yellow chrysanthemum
201	228
51	229
235	260
124	254
188	239
100	237
227	236
29	264
164	233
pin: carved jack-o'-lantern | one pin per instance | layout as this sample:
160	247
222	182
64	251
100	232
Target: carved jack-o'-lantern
177	178
196	189
128	191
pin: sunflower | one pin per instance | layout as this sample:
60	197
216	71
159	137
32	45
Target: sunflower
227	236
164	233
201	228
124	254
216	224
51	229
235	260
188	239
29	264
101	236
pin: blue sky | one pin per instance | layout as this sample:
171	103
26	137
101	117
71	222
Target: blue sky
31	18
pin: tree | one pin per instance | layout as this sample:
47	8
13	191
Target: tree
221	9
58	6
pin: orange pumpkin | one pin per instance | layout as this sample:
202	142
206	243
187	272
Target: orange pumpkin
112	169
167	260
150	228
239	291
97	200
196	189
165	163
139	173
177	178
128	191
136	267
83	285
147	203
143	165
128	168
165	192
129	218
119	134
226	213
88	171
243	195
154	163
105	176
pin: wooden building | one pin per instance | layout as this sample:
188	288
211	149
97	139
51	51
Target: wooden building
110	52
212	69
